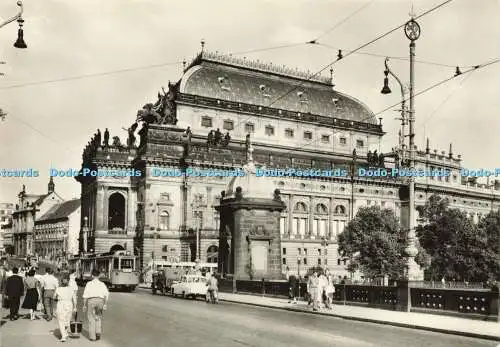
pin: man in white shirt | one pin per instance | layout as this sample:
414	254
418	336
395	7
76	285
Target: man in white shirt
95	298
50	284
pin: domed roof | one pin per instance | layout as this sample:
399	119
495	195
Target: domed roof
233	79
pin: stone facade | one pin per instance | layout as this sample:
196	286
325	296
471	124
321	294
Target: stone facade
314	127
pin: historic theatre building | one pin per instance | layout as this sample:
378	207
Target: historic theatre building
294	121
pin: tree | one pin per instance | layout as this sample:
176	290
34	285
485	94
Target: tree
459	249
374	243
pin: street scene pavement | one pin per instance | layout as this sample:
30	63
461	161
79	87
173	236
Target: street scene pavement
142	319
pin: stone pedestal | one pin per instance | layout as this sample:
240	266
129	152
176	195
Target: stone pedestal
252	226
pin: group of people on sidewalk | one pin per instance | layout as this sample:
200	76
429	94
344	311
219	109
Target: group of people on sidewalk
320	289
40	293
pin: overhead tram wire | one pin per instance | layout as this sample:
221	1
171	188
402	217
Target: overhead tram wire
474	68
342	21
359	48
97	74
349	53
434	112
393	58
173	63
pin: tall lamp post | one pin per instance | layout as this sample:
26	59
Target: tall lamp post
412	32
85	233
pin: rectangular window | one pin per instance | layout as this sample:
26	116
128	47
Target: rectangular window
289	133
284	251
305	261
300	251
319	251
305	251
360	143
284	261
269	130
326	261
249	128
308	135
343	141
228	125
325	138
326	251
206	122
319	261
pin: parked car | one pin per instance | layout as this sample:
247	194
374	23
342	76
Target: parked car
190	286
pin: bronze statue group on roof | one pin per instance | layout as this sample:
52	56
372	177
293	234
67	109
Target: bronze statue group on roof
215	139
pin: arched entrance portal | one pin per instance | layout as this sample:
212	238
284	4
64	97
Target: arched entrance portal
116	210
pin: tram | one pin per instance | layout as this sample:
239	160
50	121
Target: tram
118	269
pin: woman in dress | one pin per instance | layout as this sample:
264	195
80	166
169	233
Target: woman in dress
66	306
31	299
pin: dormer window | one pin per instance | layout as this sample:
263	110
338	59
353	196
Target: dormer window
308	135
264	90
343	141
249	128
228	125
223	81
325	138
360	143
289	133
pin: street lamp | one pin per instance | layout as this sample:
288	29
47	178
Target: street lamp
298	274
85	232
20	33
412	32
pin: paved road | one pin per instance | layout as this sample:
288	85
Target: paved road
141	319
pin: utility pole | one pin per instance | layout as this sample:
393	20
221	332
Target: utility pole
412	31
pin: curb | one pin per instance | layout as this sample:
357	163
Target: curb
367	320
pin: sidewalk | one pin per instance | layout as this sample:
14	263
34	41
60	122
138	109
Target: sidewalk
423	321
26	333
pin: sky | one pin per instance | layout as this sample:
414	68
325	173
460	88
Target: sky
65	85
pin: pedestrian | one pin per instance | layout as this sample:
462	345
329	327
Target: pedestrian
50	284
32	294
208	275
314	287
329	289
212	289
14	289
66	306
323	282
95	301
292	287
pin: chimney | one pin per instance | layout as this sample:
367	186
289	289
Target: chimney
51	185
450	154
427	148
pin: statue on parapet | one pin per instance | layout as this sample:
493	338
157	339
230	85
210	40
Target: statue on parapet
217	137
98	137
116	141
249	148
148	115
210	139
106	138
131	136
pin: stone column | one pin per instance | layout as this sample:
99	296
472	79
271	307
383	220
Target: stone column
106	208
100	225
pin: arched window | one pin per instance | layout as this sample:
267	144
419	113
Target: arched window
339	209
164	220
116	208
301	222
300	207
321	209
212	254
